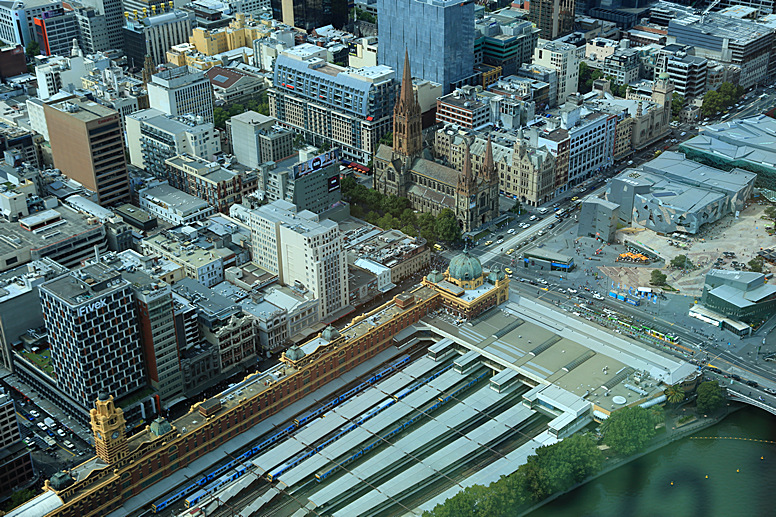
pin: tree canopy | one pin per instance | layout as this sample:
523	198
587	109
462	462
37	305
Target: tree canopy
552	469
658	277
32	49
674	394
710	397
720	100
677	103
222	114
393	212
628	430
681	262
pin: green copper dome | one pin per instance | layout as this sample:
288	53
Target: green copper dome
664	75
465	267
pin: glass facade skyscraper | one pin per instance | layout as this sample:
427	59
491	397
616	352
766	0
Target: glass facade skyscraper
437	34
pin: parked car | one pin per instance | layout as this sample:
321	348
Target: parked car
61	433
34	413
42	426
68	444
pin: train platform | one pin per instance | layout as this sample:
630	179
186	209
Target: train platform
229	448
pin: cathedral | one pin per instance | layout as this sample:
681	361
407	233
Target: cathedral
408	170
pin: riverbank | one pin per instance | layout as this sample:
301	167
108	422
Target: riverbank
672	434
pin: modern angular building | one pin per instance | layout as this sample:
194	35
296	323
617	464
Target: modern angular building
506	40
302	250
740	295
17	19
92	329
87	142
672	193
325	103
744	143
55	31
309	14
564	58
438	35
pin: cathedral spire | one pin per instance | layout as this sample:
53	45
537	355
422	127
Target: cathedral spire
488	171
407	94
466	179
407	135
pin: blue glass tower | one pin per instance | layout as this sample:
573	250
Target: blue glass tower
437	34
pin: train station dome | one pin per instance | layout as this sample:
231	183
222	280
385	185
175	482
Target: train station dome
465	268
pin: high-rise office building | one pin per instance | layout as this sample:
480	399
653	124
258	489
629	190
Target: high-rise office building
17	19
55	31
553	18
87	142
92	328
154	35
93	28
309	14
114	19
302	249
437	34
181	91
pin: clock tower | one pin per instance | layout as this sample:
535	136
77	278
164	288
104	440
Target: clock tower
108	427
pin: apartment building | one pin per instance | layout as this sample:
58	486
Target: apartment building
346	108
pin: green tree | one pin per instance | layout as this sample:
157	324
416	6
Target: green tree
712	103
756	264
408	218
32	49
220	116
19	497
710	397
770	212
348	185
629	429
446	226
568	463
517	208
586	77
677	103
674	394
681	262
387	139
658	278
325	146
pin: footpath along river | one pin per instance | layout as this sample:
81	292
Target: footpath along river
739	482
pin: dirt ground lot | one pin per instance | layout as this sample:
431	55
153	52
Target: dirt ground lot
744	236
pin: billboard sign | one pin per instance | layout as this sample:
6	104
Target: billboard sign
317	163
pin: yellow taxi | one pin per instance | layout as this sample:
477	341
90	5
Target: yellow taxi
488	243
510	251
507	271
574	198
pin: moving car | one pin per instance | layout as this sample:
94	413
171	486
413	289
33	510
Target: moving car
34	413
507	271
488	243
510	251
533	218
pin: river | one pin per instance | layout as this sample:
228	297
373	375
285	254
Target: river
739	482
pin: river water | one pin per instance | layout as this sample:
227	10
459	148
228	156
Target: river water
739	482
